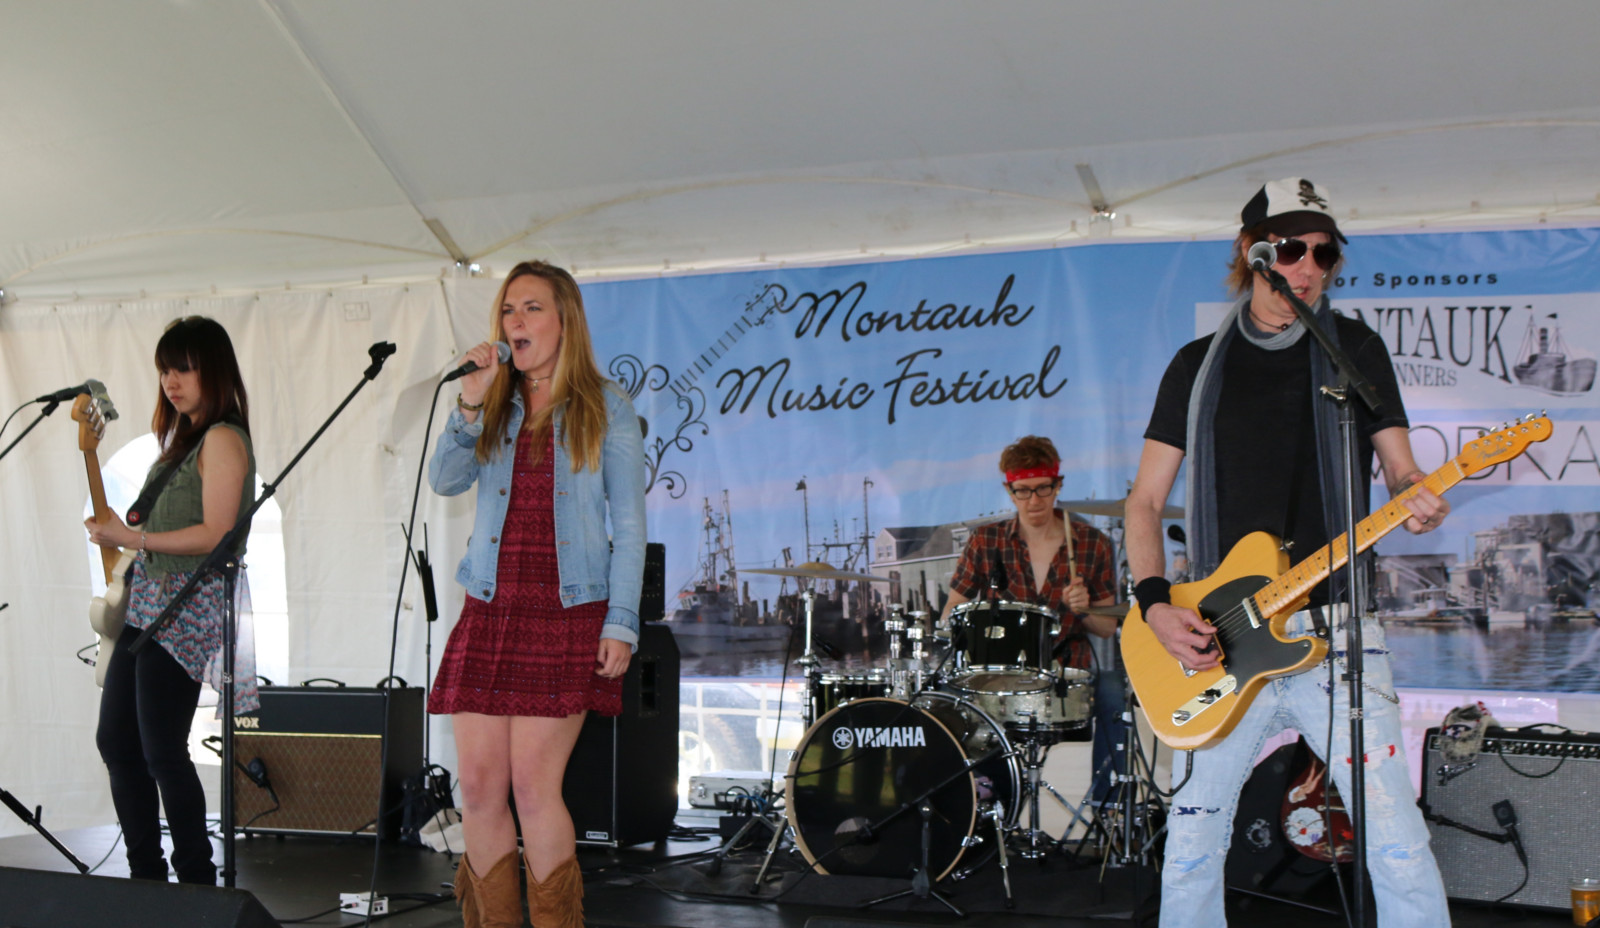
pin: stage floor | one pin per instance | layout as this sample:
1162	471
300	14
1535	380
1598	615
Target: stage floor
296	878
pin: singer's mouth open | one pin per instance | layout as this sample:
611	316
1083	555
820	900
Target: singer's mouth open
521	343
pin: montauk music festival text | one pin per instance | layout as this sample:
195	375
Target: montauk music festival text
840	312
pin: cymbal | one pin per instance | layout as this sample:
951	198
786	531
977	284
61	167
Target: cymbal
816	571
1115	610
1115	508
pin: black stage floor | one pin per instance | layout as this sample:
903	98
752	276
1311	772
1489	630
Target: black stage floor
298	879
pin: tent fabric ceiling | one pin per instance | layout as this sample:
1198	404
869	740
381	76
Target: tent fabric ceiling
172	146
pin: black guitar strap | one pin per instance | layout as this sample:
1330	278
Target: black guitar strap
140	510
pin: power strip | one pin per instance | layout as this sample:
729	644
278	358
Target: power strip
356	904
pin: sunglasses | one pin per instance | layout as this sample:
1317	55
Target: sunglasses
1291	250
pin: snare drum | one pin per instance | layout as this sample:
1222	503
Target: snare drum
835	689
1062	702
1003	636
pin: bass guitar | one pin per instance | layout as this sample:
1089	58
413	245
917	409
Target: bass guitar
92	412
1250	598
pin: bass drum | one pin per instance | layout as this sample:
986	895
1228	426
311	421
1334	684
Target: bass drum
854	777
998	779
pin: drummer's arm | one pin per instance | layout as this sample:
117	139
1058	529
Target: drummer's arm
956	599
1102	626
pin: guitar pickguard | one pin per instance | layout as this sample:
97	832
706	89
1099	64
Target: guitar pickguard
1249	648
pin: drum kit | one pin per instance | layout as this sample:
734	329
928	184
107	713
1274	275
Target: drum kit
904	769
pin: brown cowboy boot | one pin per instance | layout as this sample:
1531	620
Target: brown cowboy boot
557	901
492	900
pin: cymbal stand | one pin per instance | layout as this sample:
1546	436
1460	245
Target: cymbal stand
1134	798
808	663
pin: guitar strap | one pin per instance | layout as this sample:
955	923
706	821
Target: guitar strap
140	510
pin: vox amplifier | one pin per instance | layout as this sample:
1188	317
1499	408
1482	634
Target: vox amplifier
320	749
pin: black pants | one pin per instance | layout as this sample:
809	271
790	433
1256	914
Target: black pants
146	711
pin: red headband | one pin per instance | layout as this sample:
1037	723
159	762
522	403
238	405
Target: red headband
1054	470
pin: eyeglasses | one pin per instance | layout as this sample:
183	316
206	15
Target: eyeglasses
1047	490
1291	250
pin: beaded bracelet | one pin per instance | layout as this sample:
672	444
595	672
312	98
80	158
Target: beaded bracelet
466	405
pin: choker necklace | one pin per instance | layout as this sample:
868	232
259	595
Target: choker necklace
1269	326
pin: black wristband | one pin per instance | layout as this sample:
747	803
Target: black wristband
1150	591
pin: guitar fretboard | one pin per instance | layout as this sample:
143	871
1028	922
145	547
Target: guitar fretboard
1300	579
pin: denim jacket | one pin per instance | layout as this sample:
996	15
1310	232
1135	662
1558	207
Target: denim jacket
589	568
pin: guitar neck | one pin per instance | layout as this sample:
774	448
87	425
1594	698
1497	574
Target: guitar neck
1300	579
102	511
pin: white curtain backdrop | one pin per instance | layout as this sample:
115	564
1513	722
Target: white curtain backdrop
343	505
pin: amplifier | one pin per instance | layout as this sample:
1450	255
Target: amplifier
321	749
1552	782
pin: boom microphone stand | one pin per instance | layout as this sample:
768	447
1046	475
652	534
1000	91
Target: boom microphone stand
1350	381
222	562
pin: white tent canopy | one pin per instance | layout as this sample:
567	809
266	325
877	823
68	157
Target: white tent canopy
171	147
307	172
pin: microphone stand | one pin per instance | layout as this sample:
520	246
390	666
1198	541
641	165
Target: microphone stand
49	408
222	562
1351	380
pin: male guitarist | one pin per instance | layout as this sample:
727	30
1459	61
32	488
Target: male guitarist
1263	452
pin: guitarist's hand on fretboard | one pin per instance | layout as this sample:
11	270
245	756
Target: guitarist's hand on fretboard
111	533
1188	638
1428	509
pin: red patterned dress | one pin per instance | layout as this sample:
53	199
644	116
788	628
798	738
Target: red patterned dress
524	653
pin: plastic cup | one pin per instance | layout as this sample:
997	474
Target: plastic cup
1585	900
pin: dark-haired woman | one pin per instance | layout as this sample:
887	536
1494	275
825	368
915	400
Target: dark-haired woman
202	423
552	608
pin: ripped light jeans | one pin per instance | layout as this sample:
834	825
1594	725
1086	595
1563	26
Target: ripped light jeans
1405	877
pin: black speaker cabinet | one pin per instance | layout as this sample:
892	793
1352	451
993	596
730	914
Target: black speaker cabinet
42	899
1551	779
653	595
322	748
622	782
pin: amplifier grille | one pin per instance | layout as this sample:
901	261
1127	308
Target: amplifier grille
1552	781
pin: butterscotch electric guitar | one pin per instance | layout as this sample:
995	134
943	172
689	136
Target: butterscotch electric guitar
92	412
1250	599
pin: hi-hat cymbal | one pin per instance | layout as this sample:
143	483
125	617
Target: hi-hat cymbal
1115	508
1115	610
816	571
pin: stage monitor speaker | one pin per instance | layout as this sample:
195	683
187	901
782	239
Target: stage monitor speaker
653	595
1551	779
43	899
622	781
1260	857
322	752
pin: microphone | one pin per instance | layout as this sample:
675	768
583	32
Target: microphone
501	348
66	393
1175	532
1261	256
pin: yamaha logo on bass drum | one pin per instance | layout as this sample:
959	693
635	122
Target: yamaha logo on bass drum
895	736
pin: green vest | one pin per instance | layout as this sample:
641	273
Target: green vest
182	504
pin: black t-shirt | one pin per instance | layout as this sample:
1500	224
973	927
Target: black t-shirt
1266	467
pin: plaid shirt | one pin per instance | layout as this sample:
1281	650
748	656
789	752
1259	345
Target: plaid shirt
1093	552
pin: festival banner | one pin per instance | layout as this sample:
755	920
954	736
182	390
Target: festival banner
853	416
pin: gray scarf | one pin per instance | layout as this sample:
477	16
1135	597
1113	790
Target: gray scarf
1204	545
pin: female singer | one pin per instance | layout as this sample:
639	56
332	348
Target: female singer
202	421
552	608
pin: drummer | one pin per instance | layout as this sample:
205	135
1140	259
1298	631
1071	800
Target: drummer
1041	556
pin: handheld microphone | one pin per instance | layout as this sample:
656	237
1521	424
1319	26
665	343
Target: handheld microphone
500	348
66	393
1261	256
